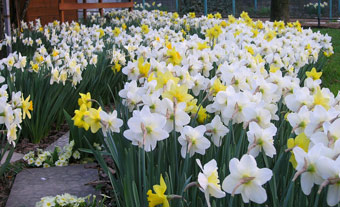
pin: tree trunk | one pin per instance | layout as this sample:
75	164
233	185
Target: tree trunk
279	10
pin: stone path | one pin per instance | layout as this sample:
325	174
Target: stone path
15	157
61	142
31	185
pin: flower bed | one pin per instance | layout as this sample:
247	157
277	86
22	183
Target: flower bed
203	99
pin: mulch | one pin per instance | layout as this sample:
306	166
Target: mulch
24	145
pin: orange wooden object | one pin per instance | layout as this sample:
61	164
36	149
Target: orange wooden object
48	11
75	6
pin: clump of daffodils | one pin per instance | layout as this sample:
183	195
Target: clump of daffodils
59	157
200	85
91	118
13	109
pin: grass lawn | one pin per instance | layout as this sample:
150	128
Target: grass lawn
331	71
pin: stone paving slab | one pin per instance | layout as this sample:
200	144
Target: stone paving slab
15	157
61	142
31	185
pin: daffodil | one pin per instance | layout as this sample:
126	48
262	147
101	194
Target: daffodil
193	141
163	78
217	86
174	56
145	29
27	106
159	196
208	180
116	31
144	68
93	119
314	74
146	128
300	141
320	99
85	99
79	116
180	93
247	179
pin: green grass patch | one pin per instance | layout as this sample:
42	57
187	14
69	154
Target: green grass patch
331	71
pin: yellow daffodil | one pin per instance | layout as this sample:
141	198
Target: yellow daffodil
180	93
101	32
124	26
192	14
217	87
250	50
270	35
163	78
313	74
158	197
144	68
300	141
79	117
85	99
145	28
116	31
93	119
202	115
218	15
319	99
27	106
202	46
174	57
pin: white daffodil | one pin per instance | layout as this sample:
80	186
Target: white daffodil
329	170
110	122
146	128
175	113
307	166
217	130
261	139
299	120
247	179
208	180
193	141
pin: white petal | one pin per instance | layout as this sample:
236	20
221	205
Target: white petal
255	193
307	183
333	195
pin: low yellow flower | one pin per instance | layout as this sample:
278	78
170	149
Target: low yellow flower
158	197
202	115
313	74
270	35
116	31
101	32
217	87
144	68
180	93
202	46
124	26
79	117
93	119
117	67
27	106
319	99
145	28
192	14
85	99
174	57
163	78
218	15
300	141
